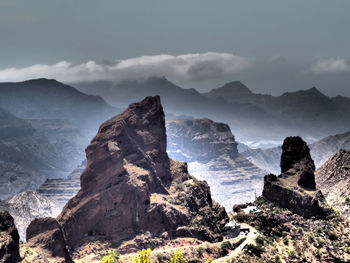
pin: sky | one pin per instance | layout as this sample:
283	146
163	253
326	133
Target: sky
272	46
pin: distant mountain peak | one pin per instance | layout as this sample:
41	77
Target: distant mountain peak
232	88
315	91
236	86
42	81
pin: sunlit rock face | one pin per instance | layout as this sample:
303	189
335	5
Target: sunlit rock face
130	186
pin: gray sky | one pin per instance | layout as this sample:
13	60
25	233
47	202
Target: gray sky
275	46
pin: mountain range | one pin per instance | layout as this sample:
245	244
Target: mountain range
253	117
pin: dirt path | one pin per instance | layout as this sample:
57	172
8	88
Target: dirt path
253	234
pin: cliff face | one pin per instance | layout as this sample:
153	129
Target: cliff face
211	151
333	178
200	140
295	188
130	186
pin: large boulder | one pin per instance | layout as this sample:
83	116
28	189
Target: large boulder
9	239
130	186
45	234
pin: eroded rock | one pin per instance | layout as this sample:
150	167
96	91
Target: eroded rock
130	186
9	239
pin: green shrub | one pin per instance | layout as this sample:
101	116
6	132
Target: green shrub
179	187
261	201
225	245
160	257
143	257
285	241
178	257
347	199
311	238
242	217
112	257
200	251
277	259
255	250
260	240
332	236
291	254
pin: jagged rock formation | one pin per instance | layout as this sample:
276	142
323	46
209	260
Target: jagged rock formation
26	206
321	151
60	191
296	160
295	188
130	180
211	152
333	178
9	239
45	235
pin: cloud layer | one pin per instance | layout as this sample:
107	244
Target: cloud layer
330	66
190	67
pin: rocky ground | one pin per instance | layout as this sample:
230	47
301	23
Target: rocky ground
288	237
333	179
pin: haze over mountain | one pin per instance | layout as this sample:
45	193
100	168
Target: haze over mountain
210	150
57	115
253	117
26	157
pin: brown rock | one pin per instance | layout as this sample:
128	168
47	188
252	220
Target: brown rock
333	178
296	160
295	188
9	239
130	186
46	234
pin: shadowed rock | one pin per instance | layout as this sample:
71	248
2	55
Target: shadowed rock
295	188
130	186
296	161
9	239
46	234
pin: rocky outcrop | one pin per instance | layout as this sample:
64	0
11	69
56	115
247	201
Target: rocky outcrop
9	239
45	235
200	140
26	206
210	149
130	186
295	188
333	178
